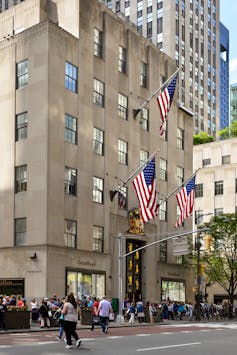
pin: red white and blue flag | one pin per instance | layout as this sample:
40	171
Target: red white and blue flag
185	199
145	187
164	101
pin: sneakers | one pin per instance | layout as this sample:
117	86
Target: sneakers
78	343
68	346
58	338
106	330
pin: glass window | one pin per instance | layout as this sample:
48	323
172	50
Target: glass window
145	119
206	162
173	290
123	106
163	251
98	43
98	141
22	74
199	216
149	29
123	197
218	211
71	77
98	190
86	284
20	231
122	59
21	126
143	76
143	156
163	169
180	175
70	133
70	181
225	159
70	233
199	190
98	93
122	152
219	187
180	138
163	211
98	239
21	178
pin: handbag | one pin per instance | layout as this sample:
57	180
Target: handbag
141	314
96	319
111	316
50	313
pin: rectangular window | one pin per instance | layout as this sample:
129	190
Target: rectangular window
143	76
122	61
21	126
218	211
180	175
199	217
123	197
122	152
98	239
206	162
219	187
98	141
20	231
98	43
70	181
163	169
98	93
123	106
70	233
70	133
225	159
145	119
163	251
143	156
199	190
163	211
71	77
21	178
98	190
149	29
180	138
22	74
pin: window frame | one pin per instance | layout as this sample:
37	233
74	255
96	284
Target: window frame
199	190
163	173
122	153
70	183
219	187
98	143
22	78
98	190
98	93
22	233
70	129
145	119
21	181
71	77
21	127
98	43
70	235
143	75
123	106
122	60
98	239
180	138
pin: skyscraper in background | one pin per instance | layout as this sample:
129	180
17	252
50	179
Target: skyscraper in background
233	102
224	76
189	32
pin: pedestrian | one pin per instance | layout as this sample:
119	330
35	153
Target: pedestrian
3	309
104	311
44	313
131	311
60	317
34	310
70	320
140	311
95	316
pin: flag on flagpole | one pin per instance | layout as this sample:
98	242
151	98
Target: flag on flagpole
145	187
164	101
185	199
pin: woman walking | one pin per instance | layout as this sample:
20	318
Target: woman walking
70	321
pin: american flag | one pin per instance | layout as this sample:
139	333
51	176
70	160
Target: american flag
185	199
145	186
122	200
164	101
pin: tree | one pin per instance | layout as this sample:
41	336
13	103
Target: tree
220	259
229	132
202	138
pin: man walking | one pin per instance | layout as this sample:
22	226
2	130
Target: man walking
104	310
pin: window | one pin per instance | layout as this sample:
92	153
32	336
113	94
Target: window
163	169
143	77
235	185
206	162
163	211
22	74
122	197
98	43
218	211
70	77
21	178
180	175
70	133
98	93
122	59
225	159
122	152
123	106
70	181
20	231
180	138
98	190
98	141
199	190
149	29
70	233
163	251
98	239
199	217
143	156
145	119
219	188
21	126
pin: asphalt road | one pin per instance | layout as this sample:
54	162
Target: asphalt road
195	339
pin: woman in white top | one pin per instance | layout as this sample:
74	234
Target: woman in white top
70	321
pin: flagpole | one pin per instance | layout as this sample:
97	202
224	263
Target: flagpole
113	193
136	111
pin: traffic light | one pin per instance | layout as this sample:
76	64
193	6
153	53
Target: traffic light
208	242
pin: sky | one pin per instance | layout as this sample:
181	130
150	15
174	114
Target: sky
228	16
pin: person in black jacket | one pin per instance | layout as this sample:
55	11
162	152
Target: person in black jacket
44	313
3	309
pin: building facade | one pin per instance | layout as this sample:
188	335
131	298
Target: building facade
70	81
5	4
233	102
224	77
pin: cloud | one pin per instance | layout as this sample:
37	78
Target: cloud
233	71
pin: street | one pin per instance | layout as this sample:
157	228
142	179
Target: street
175	339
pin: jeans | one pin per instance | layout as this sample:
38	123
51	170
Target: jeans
70	330
104	323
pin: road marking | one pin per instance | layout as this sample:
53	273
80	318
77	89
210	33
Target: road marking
187	331
5	346
143	335
44	342
166	333
115	337
169	346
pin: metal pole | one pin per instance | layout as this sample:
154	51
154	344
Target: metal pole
120	318
198	276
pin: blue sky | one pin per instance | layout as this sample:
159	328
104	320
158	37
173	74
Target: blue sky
228	16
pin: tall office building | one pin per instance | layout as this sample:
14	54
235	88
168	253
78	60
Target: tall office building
188	31
224	76
233	102
70	80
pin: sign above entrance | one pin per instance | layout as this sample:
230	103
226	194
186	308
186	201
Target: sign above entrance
135	222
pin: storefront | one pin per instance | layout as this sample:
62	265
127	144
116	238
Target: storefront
173	290
12	287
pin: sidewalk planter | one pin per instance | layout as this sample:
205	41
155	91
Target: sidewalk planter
86	317
157	318
17	319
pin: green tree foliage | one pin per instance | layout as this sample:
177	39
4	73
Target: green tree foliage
220	260
202	138
229	132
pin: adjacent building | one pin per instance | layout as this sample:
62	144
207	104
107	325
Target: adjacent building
72	74
233	102
224	77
